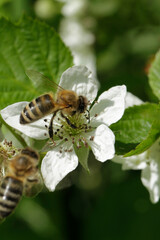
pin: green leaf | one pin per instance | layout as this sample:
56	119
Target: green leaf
138	124
29	44
153	135
154	75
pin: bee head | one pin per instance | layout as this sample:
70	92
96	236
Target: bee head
25	163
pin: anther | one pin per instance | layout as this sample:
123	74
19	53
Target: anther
70	150
91	138
60	136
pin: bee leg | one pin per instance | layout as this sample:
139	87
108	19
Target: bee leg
68	121
50	128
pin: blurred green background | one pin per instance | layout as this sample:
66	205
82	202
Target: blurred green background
107	204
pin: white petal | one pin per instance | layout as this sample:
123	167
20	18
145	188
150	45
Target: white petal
151	174
136	162
132	100
74	8
79	79
151	180
73	33
11	115
86	57
56	165
103	143
110	106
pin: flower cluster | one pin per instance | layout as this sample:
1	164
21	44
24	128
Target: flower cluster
148	161
7	152
92	127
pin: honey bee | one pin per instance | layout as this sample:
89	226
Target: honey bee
66	101
21	176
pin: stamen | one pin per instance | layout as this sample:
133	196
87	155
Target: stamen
91	138
78	146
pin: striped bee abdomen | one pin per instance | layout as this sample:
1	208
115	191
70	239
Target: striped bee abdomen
37	109
10	193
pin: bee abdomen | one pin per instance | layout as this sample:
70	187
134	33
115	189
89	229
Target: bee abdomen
36	109
10	194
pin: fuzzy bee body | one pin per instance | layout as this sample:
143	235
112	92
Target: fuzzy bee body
37	109
20	169
10	194
65	101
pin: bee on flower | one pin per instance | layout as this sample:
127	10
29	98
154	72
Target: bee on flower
91	131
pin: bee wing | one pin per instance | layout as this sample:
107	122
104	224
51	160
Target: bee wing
33	185
41	82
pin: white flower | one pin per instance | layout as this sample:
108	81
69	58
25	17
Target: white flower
76	34
148	161
73	144
80	40
74	8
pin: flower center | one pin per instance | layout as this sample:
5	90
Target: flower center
74	125
72	128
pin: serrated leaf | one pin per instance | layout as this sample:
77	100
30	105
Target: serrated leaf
123	148
153	135
135	126
154	75
30	44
